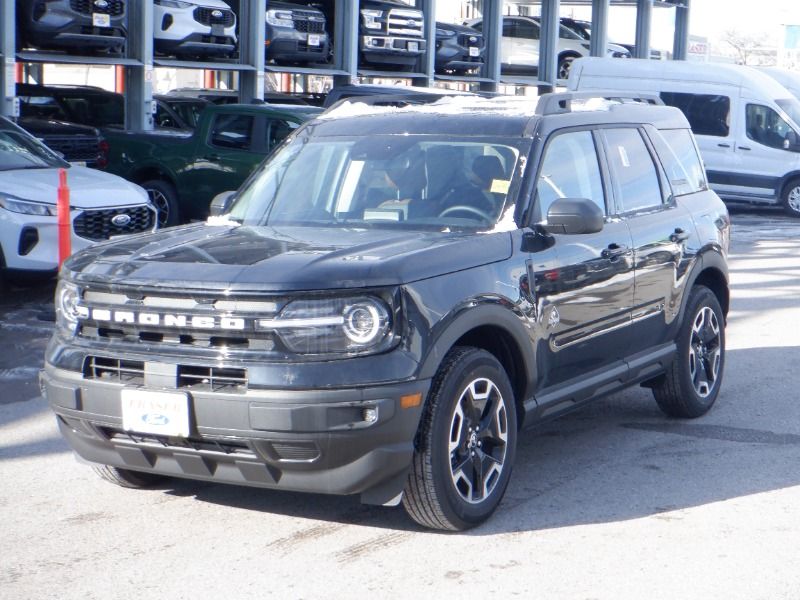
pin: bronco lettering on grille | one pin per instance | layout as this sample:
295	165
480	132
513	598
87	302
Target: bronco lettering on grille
104	315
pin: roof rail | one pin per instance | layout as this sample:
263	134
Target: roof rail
561	102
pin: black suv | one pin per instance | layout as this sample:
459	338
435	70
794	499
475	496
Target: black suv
73	25
393	295
296	34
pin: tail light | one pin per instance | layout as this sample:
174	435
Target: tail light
102	158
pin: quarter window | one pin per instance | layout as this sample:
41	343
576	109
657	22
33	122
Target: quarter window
569	170
766	126
632	171
708	114
233	131
681	160
277	130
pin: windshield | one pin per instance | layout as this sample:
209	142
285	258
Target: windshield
791	106
403	181
97	110
19	150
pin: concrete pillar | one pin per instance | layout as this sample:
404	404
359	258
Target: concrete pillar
680	43
492	32
599	41
253	32
548	45
644	18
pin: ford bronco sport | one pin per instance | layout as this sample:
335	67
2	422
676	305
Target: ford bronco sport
393	295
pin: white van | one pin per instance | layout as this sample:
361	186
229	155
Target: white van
788	79
747	125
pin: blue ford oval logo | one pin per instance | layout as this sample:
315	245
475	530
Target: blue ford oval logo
101	3
217	14
156	419
121	220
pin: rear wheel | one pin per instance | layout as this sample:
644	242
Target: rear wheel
466	443
564	66
692	381
127	478
165	201
791	198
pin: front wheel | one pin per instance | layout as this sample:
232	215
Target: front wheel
564	66
466	443
692	381
791	198
165	201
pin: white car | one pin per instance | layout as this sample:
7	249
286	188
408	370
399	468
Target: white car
519	46
194	28
101	205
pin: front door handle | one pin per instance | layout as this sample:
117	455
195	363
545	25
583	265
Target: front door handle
679	235
744	148
724	145
614	251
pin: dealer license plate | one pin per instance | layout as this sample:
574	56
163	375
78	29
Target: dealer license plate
474	51
101	20
313	39
78	163
413	46
161	413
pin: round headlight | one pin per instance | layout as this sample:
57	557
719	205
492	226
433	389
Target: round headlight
67	300
364	322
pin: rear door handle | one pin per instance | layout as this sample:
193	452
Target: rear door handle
744	148
615	251
679	235
724	145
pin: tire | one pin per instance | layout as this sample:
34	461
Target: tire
165	200
127	478
691	384
564	66
445	489
791	198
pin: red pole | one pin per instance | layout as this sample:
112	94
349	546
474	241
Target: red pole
19	73
64	224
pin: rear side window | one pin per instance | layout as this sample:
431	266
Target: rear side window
680	159
708	114
569	170
632	171
233	131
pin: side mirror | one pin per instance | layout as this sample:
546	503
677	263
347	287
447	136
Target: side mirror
791	142
573	216
220	203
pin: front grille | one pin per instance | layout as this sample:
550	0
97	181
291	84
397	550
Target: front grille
115	8
74	147
214	379
469	40
114	370
99	224
406	22
308	21
206	16
223	445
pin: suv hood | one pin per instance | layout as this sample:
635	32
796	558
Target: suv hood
244	258
88	188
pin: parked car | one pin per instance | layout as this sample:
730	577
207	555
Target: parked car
183	170
584	30
73	25
459	49
84	105
101	205
519	46
747	125
385	323
296	34
80	145
220	96
392	34
202	28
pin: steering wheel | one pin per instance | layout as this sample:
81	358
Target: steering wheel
468	209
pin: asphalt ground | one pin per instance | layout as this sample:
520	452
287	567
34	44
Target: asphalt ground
614	502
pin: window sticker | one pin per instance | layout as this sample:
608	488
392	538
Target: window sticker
500	186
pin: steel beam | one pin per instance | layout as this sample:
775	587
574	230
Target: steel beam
8	75
253	32
427	62
644	18
680	43
346	41
139	79
492	32
548	45
599	41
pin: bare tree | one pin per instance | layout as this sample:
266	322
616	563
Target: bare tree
750	48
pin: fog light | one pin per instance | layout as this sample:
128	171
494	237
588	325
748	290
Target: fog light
370	415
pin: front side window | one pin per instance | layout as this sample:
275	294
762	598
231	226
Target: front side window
277	130
766	126
233	131
569	170
633	172
708	114
397	181
680	160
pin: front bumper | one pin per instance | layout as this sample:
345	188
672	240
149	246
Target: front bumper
178	32
301	440
453	55
284	45
391	50
63	28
